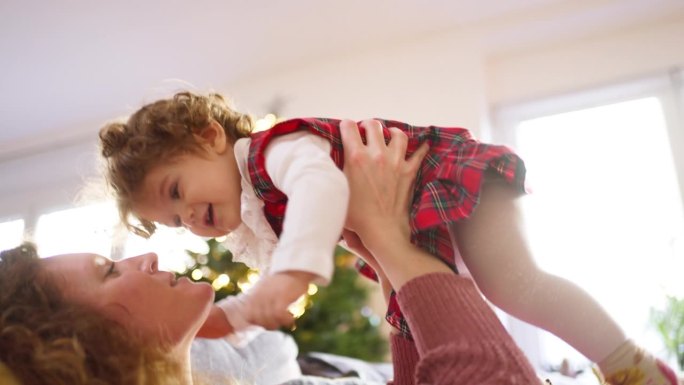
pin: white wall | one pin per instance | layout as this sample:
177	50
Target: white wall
592	61
438	80
445	79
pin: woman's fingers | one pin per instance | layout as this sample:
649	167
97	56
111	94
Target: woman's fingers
374	134
380	176
351	138
351	240
398	145
354	243
414	161
410	168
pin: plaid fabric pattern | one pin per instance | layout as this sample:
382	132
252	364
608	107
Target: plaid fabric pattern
447	186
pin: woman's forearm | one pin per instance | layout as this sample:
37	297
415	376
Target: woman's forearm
457	335
394	253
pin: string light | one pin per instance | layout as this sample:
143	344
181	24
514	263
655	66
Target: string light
197	274
221	281
250	279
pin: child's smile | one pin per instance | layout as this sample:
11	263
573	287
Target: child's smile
198	191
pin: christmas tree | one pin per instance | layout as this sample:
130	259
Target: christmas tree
332	319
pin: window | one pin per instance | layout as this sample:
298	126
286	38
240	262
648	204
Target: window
11	233
95	229
83	229
170	244
605	210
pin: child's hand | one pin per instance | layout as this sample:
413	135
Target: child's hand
267	303
216	325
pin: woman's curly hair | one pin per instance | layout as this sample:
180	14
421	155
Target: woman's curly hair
159	132
46	339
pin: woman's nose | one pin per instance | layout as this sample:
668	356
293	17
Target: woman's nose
188	218
150	263
146	262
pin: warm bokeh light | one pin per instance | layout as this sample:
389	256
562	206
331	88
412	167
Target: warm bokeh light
298	307
197	274
265	123
250	279
221	281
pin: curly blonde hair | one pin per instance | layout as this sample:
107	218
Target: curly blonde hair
156	133
47	339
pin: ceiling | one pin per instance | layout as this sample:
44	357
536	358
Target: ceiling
70	64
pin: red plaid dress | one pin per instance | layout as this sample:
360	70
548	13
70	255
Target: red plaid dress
447	186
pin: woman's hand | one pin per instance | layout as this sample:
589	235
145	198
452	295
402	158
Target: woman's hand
381	183
353	243
380	180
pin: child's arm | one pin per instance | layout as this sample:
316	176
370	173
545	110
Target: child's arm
300	165
318	194
266	304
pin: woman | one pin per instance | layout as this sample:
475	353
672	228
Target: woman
50	335
80	318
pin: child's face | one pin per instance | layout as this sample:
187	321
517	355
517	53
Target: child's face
198	191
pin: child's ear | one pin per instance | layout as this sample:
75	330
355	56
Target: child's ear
213	136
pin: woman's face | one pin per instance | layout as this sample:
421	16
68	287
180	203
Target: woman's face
134	293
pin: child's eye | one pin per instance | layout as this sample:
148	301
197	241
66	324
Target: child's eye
112	270
174	191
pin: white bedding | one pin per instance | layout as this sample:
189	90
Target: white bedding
263	357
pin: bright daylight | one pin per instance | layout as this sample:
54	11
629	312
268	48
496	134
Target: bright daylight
342	192
605	209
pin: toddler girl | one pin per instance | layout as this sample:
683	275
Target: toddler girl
281	198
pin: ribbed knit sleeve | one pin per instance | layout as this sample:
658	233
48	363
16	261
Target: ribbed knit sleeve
404	359
459	338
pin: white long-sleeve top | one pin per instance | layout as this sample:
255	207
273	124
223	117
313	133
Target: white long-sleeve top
299	165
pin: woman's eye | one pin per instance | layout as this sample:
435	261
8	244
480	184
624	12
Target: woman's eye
112	270
177	221
174	191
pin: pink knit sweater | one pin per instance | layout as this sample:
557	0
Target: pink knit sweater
457	337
